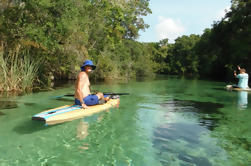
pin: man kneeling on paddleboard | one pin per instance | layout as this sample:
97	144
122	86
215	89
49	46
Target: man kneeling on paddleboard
83	94
243	79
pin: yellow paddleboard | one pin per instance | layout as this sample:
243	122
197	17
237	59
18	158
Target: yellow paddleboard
230	87
71	112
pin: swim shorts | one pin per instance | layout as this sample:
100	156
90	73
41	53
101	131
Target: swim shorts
88	100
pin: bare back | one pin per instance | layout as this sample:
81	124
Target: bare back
82	86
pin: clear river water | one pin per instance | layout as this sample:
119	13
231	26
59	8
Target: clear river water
166	121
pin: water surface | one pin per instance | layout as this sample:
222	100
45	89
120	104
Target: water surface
164	121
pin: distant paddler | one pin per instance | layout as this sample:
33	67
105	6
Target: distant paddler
243	80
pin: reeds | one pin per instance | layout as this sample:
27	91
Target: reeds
17	73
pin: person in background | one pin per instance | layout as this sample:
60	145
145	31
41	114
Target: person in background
83	96
243	78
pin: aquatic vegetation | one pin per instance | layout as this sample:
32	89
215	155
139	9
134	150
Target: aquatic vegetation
18	73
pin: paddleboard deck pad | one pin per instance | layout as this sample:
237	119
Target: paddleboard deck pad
72	112
230	87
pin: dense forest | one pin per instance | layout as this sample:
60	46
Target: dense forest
215	53
45	40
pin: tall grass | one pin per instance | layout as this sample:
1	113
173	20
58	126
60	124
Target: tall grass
17	73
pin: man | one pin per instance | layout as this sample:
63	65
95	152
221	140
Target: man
243	78
83	94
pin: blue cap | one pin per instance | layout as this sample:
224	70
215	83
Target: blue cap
88	63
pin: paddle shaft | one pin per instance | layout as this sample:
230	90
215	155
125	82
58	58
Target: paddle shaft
70	95
116	93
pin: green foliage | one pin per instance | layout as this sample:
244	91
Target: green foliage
215	53
61	34
227	44
17	74
183	51
177	58
128	60
55	37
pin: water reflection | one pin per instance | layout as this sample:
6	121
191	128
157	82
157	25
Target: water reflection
207	113
179	142
82	133
184	138
29	126
242	101
83	127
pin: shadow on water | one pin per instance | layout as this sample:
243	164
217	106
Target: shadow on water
207	112
5	105
199	161
220	89
8	105
29	104
188	132
65	99
167	134
30	126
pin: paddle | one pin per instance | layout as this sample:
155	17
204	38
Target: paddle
105	93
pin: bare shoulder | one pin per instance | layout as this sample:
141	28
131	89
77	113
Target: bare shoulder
82	75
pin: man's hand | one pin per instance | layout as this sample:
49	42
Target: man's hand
84	106
239	68
235	73
107	98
